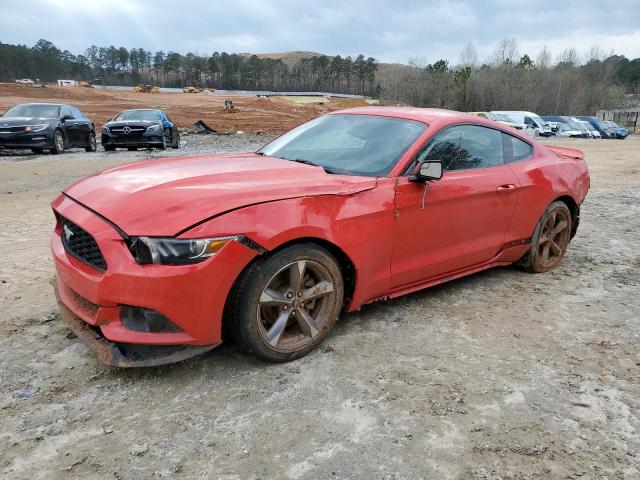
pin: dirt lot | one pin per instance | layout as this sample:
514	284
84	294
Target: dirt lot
252	114
503	375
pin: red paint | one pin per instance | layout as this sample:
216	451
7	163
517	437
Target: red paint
400	236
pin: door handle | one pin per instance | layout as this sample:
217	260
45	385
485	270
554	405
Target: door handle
506	188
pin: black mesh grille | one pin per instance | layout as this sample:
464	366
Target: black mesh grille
81	245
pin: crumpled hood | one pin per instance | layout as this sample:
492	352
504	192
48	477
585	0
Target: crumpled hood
165	197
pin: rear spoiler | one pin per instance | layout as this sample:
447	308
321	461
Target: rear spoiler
564	152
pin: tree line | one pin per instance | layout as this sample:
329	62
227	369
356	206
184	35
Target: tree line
121	66
508	80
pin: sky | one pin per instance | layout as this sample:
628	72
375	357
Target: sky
390	31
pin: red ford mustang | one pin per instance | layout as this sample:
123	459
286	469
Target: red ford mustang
157	261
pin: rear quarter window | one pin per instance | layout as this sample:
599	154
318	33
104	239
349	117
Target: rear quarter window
515	149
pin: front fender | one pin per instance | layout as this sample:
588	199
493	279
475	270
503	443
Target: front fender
360	225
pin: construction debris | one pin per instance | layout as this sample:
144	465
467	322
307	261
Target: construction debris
201	127
146	89
229	107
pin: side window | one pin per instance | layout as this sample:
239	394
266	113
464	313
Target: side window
67	111
480	147
529	121
482	115
444	147
515	149
76	113
465	147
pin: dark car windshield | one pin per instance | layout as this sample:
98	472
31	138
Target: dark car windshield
32	110
148	115
348	144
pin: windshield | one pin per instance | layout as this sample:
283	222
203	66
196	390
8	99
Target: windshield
348	144
538	120
32	110
148	115
500	117
611	124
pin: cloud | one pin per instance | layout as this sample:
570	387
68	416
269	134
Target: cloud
392	31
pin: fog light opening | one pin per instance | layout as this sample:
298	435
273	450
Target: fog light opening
139	319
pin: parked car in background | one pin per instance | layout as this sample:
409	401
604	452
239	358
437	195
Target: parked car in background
52	126
605	130
568	127
503	119
132	129
592	131
619	132
530	119
25	81
154	258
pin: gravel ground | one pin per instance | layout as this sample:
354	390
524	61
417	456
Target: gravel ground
502	375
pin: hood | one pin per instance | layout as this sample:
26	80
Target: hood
165	197
124	123
19	121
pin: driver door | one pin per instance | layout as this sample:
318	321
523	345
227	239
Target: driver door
452	224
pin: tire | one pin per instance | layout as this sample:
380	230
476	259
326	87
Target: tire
58	143
132	149
37	151
92	145
108	148
274	322
551	235
177	144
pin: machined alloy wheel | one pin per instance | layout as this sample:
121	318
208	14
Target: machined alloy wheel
286	303
294	304
550	239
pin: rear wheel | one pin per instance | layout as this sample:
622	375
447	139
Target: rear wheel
58	142
550	239
284	305
92	146
177	143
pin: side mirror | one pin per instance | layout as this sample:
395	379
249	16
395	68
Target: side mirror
66	117
428	170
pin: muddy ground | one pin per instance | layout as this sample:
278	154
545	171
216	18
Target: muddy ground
251	114
502	375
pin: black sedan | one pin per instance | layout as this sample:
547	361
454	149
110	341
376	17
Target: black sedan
140	128
51	126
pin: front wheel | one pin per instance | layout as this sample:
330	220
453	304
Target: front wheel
550	240
285	305
92	145
58	143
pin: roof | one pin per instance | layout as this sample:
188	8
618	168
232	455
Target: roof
427	115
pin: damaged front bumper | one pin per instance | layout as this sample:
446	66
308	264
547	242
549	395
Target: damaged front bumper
121	354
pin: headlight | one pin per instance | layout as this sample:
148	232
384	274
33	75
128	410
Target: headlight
153	128
36	128
173	251
106	130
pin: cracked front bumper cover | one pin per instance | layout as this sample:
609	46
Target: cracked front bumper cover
125	355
